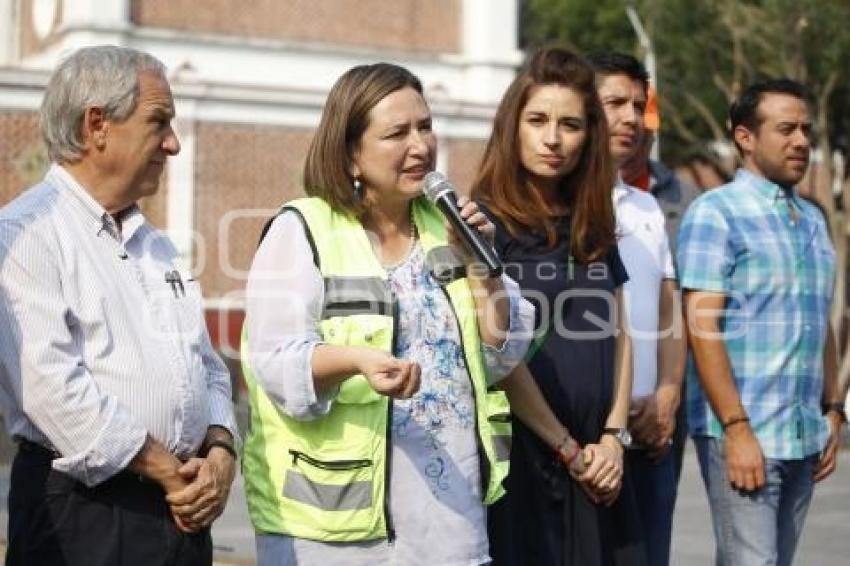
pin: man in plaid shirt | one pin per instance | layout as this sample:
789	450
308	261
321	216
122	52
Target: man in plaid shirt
757	267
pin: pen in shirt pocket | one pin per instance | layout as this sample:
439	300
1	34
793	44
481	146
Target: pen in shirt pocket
176	281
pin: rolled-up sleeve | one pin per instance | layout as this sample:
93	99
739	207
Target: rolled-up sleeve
284	301
500	361
219	389
43	365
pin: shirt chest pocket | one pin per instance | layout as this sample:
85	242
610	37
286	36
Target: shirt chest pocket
768	267
177	305
818	269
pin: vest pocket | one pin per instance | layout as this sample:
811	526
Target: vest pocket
356	391
363	330
499	419
329	485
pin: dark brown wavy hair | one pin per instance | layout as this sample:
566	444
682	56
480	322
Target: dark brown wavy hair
502	182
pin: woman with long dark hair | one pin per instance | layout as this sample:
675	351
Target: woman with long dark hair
546	182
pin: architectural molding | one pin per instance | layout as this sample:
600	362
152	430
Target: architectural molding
477	75
254	104
180	210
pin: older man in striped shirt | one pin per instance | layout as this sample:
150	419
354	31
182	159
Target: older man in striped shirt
109	383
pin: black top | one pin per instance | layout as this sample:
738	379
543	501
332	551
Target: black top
576	303
546	519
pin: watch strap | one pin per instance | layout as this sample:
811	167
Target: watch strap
223	444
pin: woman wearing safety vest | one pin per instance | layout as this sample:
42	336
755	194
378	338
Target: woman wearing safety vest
377	436
546	180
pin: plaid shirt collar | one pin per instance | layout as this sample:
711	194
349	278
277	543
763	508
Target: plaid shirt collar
766	188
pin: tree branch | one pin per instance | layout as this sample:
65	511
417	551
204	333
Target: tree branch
679	125
705	113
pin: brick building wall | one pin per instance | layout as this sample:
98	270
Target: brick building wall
22	156
240	167
464	161
431	26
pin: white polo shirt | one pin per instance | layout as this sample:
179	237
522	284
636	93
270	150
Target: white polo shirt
645	251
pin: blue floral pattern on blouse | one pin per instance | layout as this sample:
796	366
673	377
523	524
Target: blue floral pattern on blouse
443	408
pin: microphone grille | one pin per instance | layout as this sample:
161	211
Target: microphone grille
435	184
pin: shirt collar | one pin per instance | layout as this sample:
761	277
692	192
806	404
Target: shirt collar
131	218
621	189
660	172
764	187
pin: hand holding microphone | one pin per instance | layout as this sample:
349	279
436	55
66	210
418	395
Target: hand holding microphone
470	226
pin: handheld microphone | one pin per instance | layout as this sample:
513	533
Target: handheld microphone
440	191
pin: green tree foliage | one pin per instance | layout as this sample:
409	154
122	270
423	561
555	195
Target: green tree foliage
707	50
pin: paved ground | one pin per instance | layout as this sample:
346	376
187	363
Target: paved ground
826	541
826	537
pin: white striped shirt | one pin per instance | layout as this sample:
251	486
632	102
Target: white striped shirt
97	348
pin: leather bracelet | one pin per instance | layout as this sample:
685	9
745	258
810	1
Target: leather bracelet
223	444
735	420
837	407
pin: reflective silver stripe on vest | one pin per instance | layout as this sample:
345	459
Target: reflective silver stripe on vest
445	265
502	444
355	495
346	296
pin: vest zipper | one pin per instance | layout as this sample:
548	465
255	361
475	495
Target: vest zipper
485	469
331	465
387	518
500	418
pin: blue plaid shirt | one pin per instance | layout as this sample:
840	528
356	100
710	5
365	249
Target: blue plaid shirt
771	255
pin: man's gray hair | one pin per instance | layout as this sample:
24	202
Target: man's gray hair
105	76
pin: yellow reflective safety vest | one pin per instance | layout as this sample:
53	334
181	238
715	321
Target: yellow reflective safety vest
326	479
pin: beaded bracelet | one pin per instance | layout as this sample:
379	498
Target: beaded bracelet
560	451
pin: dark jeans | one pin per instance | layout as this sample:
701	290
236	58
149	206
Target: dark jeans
655	491
57	521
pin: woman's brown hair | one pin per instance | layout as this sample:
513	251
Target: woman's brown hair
327	170
502	182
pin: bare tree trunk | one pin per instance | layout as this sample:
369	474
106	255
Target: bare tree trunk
671	112
839	305
707	115
838	224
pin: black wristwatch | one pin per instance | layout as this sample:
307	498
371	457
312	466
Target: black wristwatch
219	443
621	434
835	407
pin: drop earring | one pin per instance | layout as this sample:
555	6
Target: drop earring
358	190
